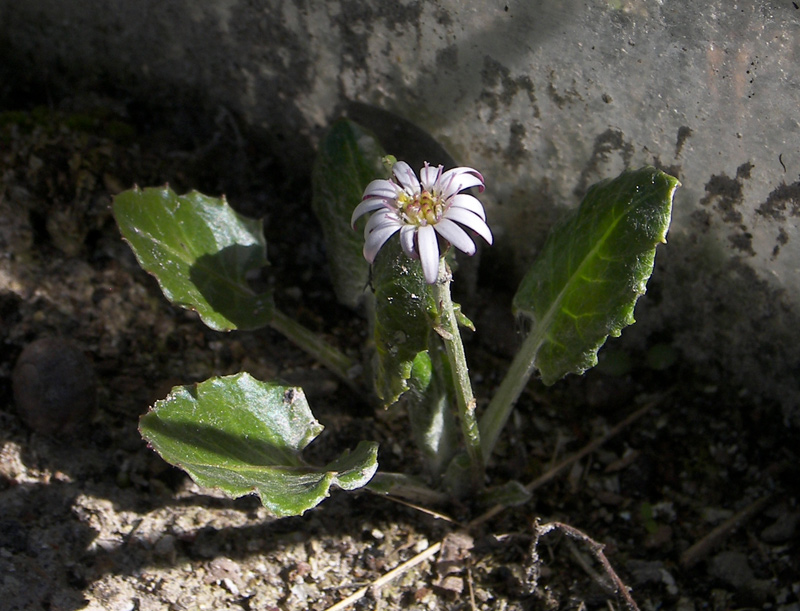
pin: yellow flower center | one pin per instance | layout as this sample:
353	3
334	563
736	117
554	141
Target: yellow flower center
422	209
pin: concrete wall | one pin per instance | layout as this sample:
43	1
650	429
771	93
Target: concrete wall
544	97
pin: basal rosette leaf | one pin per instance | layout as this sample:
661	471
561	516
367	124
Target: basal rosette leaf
403	308
349	157
200	250
594	266
244	436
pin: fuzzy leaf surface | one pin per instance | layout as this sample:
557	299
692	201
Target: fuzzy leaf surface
200	250
245	436
403	307
592	269
349	157
428	403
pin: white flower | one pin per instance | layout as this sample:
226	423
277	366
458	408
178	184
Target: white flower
419	209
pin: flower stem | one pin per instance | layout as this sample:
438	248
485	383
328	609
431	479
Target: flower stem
448	330
496	415
337	362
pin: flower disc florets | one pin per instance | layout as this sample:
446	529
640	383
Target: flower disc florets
420	209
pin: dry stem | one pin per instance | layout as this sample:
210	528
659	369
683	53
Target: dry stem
540	530
596	549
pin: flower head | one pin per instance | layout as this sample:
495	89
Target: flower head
420	209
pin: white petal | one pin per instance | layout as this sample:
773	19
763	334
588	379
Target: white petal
458	179
428	176
456	236
407	235
381	188
462	200
380	218
376	239
428	252
368	205
471	220
405	176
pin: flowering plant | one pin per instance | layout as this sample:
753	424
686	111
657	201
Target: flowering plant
248	436
421	208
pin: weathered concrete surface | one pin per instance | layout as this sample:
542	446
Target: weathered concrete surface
545	97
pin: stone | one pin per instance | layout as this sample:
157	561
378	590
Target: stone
54	386
544	97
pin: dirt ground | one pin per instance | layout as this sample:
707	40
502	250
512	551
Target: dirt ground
696	502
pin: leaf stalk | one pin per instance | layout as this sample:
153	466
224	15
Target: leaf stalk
336	361
497	413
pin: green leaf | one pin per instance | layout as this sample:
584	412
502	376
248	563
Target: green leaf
422	372
349	158
510	494
594	266
200	250
403	308
462	319
245	436
432	418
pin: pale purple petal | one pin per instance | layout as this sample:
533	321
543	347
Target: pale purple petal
458	179
471	220
368	205
429	175
407	241
405	176
376	239
380	218
383	198
462	200
428	247
456	236
381	188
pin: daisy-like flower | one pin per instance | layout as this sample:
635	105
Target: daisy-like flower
420	209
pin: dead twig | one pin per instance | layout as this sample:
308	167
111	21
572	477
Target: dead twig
471	588
704	546
569	461
537	483
596	549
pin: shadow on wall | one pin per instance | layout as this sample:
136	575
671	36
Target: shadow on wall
249	60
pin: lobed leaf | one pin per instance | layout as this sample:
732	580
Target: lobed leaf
244	436
200	250
349	157
592	269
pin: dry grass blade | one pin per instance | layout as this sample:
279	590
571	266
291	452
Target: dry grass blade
537	483
393	574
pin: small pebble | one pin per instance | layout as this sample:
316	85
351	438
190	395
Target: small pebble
783	529
165	547
54	386
377	534
732	568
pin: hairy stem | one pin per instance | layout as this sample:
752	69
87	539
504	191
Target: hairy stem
465	400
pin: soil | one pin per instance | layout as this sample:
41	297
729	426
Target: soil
696	501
